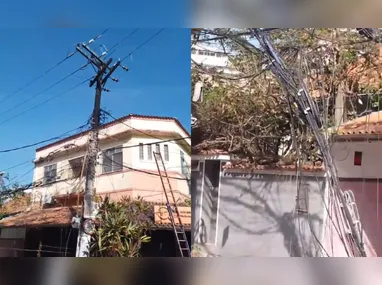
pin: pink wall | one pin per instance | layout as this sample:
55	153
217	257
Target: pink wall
368	195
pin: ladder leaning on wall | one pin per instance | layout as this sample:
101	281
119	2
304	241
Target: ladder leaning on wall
172	208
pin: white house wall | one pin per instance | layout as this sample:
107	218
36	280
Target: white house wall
343	154
125	180
127	125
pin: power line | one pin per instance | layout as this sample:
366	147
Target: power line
142	171
44	102
48	70
143	132
144	43
19	178
120	42
45	90
41	142
15	166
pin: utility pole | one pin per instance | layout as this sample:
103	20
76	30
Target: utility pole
104	71
2	187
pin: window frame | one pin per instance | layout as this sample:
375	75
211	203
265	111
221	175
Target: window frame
52	179
149	152
166	152
141	152
114	166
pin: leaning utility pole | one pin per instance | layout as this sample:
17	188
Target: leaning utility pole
104	71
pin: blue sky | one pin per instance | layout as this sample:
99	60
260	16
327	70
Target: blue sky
158	83
86	13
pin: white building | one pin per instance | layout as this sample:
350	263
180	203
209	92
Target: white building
211	57
126	166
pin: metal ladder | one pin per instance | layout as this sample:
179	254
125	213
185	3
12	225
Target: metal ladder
180	234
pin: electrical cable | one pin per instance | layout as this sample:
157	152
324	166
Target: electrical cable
143	132
41	142
139	170
44	102
15	166
144	43
120	42
49	69
45	90
310	112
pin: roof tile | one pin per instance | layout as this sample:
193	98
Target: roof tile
369	124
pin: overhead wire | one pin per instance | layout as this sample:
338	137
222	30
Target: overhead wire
140	170
43	141
309	110
15	166
143	132
45	90
49	70
44	102
120	42
144	43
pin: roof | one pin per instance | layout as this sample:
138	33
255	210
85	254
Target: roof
112	123
57	216
16	205
210	152
369	124
317	167
240	165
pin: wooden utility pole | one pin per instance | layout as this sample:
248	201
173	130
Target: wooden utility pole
104	71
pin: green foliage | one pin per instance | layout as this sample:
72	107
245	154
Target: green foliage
123	228
248	114
188	202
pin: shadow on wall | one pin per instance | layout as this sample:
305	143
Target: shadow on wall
257	217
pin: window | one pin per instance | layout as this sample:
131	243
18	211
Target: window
166	153
76	166
157	148
149	152
141	154
112	160
358	158
183	164
50	173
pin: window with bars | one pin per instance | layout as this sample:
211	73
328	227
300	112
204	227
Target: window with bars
112	160
166	153
50	173
141	153
149	152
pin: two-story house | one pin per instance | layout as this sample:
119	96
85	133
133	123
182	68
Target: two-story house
125	167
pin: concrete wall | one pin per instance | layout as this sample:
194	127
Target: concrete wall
343	154
368	196
365	183
256	215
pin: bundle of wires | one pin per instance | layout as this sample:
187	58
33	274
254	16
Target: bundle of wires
297	91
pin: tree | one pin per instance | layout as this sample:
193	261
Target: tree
248	114
123	228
